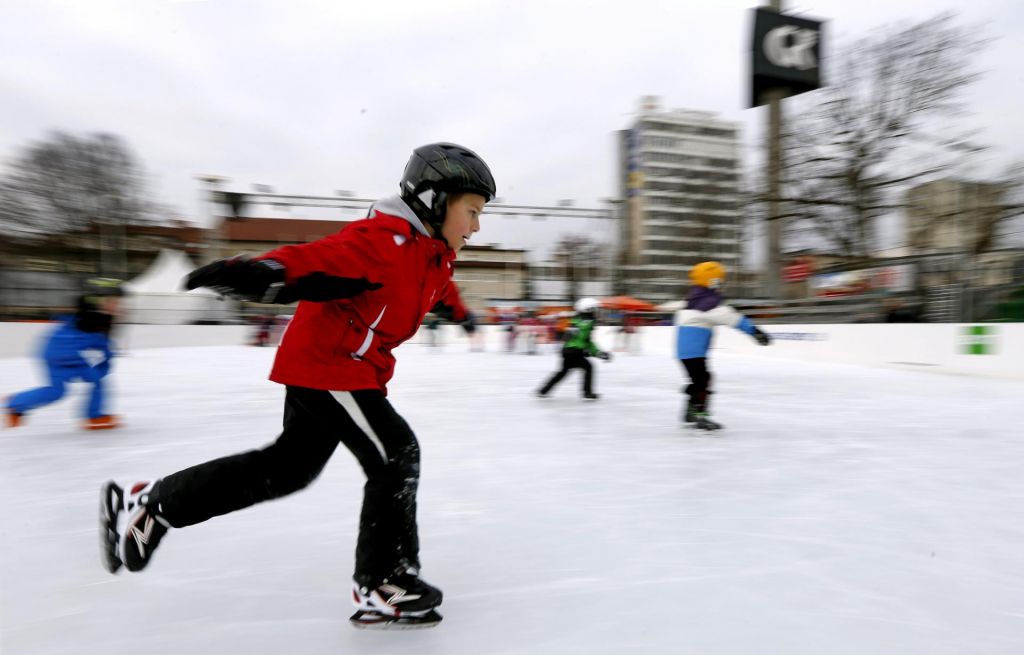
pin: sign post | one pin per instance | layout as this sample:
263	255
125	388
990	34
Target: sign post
786	54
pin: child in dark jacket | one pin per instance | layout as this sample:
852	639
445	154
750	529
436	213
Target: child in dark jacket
362	292
705	308
78	350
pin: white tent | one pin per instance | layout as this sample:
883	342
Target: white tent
158	296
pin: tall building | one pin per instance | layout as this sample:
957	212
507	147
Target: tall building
679	176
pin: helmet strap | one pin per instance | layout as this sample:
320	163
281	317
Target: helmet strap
430	206
438	207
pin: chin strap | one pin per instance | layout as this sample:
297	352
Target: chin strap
425	207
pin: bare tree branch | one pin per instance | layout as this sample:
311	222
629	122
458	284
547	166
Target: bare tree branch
847	150
582	258
67	183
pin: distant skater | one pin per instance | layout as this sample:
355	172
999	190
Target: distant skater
577	347
77	350
705	308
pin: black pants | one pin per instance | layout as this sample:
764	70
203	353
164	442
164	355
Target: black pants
572	358
314	423
700	380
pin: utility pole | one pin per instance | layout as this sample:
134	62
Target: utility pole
773	285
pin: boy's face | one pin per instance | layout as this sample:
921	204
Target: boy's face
110	305
462	219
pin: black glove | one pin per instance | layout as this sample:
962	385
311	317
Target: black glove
605	355
469	323
239	277
762	337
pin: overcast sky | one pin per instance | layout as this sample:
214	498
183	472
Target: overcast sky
315	96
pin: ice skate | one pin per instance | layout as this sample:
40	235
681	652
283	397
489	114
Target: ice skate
689	414
105	422
591	396
12	419
703	422
373	620
110	506
400	601
129	530
696	413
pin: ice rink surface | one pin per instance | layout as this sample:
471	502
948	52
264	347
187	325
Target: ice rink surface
843	510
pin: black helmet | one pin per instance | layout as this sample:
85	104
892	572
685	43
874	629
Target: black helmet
90	316
95	288
443	168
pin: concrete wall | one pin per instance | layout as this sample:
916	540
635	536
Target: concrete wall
996	351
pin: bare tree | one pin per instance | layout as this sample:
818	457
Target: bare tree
852	148
67	183
582	259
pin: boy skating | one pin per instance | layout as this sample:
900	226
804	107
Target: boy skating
362	292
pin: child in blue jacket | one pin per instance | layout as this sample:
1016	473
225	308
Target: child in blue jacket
77	350
705	308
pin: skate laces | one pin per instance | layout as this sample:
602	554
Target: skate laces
137	498
140	527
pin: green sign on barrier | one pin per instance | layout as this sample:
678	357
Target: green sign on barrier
979	340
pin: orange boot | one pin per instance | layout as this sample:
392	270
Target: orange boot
13	418
104	422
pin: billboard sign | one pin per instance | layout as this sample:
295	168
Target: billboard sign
786	55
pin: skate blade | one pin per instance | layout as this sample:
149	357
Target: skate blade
108	527
376	621
702	428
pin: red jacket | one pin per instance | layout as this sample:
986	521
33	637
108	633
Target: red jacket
343	345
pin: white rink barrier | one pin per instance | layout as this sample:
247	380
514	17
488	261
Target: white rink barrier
983	349
26	339
987	349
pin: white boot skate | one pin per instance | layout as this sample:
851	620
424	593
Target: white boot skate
130	531
402	600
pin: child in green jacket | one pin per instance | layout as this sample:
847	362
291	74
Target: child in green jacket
578	347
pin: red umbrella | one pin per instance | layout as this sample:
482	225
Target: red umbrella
627	304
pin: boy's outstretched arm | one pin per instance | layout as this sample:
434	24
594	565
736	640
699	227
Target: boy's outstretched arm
451	308
328	269
760	336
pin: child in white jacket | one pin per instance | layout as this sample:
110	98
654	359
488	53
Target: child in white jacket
705	308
